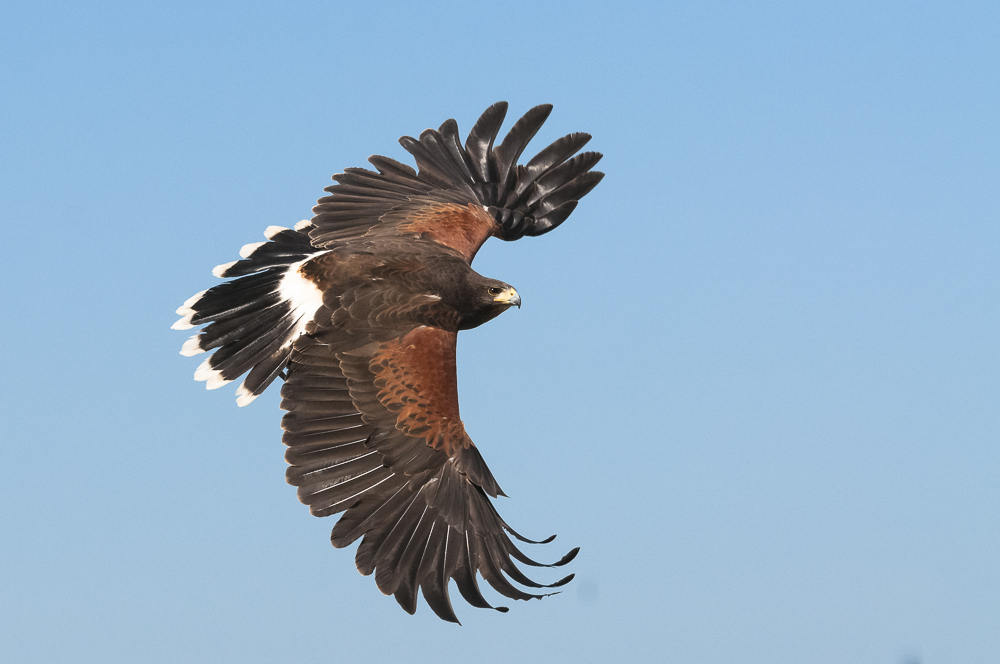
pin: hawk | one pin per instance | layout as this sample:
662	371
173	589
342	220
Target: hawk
358	311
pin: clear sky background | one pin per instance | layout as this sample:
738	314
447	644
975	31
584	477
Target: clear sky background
755	376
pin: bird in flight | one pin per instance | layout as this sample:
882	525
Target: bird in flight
358	311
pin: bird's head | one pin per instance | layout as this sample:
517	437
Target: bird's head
485	299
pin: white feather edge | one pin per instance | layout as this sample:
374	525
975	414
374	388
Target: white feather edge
220	270
192	347
186	308
271	231
213	379
243	396
305	223
186	312
248	249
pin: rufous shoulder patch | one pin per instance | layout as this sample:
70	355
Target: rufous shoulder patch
463	228
417	381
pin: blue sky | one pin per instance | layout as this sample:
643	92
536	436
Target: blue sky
755	376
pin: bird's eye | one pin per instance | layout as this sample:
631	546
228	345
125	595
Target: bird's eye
495	291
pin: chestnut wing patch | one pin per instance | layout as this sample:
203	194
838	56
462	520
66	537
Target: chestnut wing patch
462	227
417	381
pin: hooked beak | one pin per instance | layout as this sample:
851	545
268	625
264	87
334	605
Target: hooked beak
509	297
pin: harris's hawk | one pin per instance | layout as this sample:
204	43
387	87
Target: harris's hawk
358	310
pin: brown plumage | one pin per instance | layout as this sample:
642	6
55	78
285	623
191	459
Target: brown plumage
359	311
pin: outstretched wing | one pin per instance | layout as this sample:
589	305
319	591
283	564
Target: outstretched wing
375	433
461	195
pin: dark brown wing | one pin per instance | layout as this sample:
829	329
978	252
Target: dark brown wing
375	433
461	195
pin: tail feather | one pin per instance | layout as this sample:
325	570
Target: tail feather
253	319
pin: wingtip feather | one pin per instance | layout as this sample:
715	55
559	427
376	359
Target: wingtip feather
248	249
183	324
192	346
220	270
244	396
213	379
186	308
